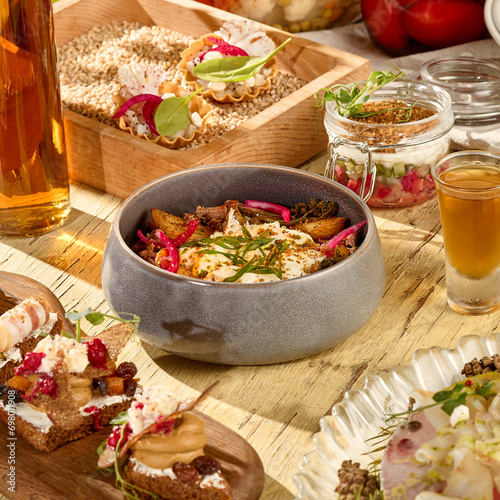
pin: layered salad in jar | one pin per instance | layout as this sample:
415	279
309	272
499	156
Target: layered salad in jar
387	134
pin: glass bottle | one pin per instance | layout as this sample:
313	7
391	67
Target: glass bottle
34	190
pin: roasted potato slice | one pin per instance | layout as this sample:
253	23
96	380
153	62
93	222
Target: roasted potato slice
322	229
173	226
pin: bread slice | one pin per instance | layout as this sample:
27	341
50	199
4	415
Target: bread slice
160	444
66	388
36	427
168	487
13	323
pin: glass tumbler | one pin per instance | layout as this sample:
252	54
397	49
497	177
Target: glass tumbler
468	191
34	190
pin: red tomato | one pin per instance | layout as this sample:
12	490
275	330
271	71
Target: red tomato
443	23
384	20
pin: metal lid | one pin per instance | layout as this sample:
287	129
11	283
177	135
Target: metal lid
473	84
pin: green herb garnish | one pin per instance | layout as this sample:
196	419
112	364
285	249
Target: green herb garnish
172	114
350	98
96	318
233	68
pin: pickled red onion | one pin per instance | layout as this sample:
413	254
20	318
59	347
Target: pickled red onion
148	112
173	254
146	240
270	207
182	238
136	99
330	245
224	48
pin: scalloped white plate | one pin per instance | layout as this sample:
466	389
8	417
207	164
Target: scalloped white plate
343	434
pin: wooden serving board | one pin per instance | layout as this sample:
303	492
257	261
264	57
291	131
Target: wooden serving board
14	288
70	472
287	133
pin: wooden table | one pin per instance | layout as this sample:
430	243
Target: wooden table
275	408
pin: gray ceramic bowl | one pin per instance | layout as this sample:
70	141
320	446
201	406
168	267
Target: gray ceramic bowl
238	323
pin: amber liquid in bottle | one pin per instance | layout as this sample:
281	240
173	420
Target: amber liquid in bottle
34	192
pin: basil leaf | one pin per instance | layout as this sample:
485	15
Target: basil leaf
172	114
234	68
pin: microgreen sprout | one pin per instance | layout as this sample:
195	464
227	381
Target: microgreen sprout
350	98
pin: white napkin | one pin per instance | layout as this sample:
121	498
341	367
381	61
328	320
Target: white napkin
356	40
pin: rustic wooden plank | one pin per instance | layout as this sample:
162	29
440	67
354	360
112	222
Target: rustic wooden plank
276	408
71	471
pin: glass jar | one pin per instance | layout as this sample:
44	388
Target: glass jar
401	27
473	84
388	165
34	189
293	15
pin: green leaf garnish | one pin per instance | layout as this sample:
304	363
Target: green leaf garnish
101	447
233	68
120	419
96	318
172	114
350	98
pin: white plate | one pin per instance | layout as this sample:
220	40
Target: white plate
492	18
343	435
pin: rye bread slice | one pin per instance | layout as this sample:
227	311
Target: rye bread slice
173	489
28	345
58	436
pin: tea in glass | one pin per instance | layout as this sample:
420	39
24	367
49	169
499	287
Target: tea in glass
34	191
468	189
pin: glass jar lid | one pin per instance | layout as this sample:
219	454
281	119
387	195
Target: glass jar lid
473	84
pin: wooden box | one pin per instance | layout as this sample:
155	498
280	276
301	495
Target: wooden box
287	133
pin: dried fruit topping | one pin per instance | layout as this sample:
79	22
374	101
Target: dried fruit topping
103	387
115	385
115	436
126	370
10	396
206	465
485	365
129	388
19	383
185	472
355	482
96	353
31	363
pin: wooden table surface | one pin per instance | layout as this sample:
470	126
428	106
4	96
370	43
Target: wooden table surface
275	408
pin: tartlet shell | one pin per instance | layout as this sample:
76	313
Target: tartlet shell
190	79
198	104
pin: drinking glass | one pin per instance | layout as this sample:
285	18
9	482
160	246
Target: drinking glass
34	190
468	190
